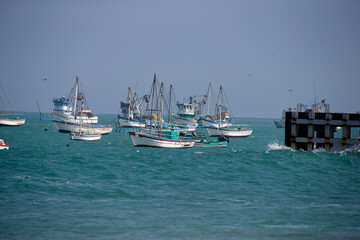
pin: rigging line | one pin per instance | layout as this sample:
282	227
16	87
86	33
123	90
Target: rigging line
212	100
227	102
6	98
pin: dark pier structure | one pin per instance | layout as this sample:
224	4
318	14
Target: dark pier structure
309	130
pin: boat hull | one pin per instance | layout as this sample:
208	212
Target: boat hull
186	121
146	140
67	127
211	144
130	123
210	123
279	124
231	133
85	137
12	122
4	147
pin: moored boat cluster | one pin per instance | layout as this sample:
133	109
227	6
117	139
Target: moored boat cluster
149	121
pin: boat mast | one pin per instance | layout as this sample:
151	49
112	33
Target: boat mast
129	94
76	94
208	94
161	103
152	95
171	87
220	93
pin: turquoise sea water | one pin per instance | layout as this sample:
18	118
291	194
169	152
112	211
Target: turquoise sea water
254	189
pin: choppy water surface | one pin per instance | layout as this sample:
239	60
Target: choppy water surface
254	189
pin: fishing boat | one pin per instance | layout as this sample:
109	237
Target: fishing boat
154	135
221	142
85	137
186	115
9	119
160	139
216	119
231	131
69	114
130	116
3	145
280	123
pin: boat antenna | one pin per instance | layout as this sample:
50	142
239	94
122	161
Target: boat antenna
220	95
76	93
171	89
161	102
129	97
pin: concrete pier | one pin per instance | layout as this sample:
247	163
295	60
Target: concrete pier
309	130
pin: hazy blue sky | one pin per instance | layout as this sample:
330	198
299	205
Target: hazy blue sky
257	49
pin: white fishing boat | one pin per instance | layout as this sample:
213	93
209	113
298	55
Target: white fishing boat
160	139
186	115
85	137
154	134
69	114
3	145
130	116
232	131
216	119
9	119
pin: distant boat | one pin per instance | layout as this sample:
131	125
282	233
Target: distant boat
186	115
130	116
216	143
85	137
70	116
160	139
231	130
154	135
280	123
218	119
3	145
9	119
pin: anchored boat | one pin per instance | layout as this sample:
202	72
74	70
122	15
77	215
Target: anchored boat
3	145
9	119
69	114
85	137
154	134
221	117
130	116
231	131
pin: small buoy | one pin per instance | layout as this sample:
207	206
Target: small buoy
68	145
45	129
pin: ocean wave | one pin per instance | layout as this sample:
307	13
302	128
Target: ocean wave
275	146
352	149
288	226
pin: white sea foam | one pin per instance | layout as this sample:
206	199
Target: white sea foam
275	146
198	152
288	226
353	149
